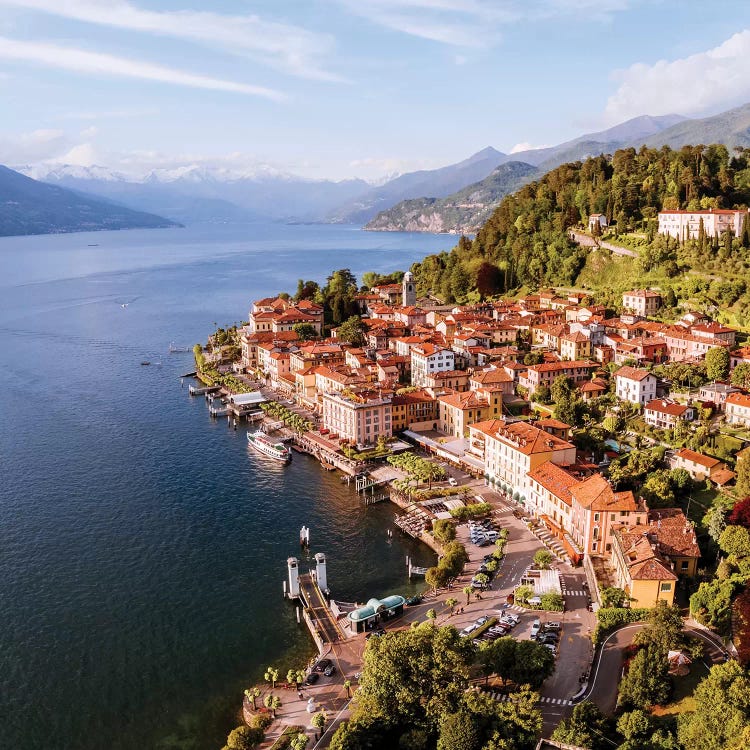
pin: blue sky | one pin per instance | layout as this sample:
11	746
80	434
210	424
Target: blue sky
341	88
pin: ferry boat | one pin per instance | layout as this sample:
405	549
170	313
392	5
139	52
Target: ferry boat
263	444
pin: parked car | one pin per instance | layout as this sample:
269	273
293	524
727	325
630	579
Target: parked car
322	665
509	619
312	678
413	601
536	626
552	626
481	620
452	482
469	629
330	670
551	647
546	638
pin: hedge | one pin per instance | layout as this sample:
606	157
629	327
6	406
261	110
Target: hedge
611	618
471	511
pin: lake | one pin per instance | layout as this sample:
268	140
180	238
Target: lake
143	545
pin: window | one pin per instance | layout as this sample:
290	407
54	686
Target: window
666	587
684	565
612	517
596	516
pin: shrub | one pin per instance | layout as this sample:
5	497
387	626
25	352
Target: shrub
261	721
610	618
471	511
444	530
552	602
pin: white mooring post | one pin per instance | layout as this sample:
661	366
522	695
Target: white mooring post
293	567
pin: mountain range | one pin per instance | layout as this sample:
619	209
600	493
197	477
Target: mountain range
454	198
467	209
31	207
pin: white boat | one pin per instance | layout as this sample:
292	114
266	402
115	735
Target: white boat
263	444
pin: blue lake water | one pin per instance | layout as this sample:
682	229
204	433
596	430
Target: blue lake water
143	545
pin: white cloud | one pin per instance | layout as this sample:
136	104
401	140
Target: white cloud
525	146
108	114
291	48
89	132
714	79
474	23
82	155
96	63
35	146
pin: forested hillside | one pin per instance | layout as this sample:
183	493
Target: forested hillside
525	242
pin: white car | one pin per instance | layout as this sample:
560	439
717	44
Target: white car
511	619
452	482
536	626
469	629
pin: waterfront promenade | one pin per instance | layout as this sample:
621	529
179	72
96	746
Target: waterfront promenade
575	651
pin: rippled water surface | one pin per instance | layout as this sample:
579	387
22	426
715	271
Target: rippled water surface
143	545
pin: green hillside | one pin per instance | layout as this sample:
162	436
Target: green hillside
525	242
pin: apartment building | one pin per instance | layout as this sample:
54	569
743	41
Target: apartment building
360	418
596	509
511	450
427	359
643	302
635	385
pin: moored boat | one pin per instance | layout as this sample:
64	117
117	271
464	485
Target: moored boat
263	444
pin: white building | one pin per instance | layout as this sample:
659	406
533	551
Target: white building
737	408
635	385
643	302
510	450
685	225
427	359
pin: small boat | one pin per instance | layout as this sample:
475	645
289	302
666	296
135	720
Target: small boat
145	362
263	444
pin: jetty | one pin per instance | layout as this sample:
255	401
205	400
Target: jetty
196	390
308	588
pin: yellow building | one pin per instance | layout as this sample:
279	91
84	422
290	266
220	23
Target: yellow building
640	570
575	346
648	559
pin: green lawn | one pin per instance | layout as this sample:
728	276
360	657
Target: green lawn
684	687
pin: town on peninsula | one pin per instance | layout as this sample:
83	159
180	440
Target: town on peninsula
560	409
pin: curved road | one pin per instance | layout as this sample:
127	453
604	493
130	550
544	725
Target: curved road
606	671
584	240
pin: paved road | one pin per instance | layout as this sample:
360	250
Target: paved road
606	673
584	240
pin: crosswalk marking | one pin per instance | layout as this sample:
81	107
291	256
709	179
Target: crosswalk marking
505	698
576	592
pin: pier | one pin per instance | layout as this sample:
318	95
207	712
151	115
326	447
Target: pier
308	588
195	390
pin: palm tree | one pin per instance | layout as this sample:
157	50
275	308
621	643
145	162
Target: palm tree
468	590
291	676
272	703
271	676
299	742
348	688
451	602
251	694
431	614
